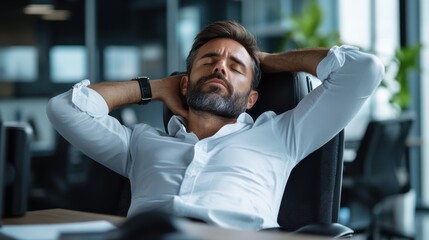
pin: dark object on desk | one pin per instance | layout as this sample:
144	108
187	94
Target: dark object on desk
17	168
149	225
379	170
311	199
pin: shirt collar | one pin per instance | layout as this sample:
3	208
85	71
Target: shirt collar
177	126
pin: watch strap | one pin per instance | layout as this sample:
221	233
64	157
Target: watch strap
145	89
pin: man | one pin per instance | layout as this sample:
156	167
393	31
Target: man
217	164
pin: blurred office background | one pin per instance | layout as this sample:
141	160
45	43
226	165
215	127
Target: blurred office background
48	45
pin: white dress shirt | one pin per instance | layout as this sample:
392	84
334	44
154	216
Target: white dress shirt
234	178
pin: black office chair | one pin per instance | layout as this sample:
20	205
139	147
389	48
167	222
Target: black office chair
379	170
69	179
16	172
312	196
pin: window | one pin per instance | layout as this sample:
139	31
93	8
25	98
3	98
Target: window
152	60
121	62
188	27
387	28
424	28
354	22
267	18
68	64
372	26
18	64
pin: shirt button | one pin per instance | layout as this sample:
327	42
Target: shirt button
192	173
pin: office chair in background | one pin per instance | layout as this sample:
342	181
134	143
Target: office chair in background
16	150
71	180
379	171
311	199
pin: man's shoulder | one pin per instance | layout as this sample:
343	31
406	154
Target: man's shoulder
265	117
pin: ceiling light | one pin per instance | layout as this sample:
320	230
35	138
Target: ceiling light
38	9
57	15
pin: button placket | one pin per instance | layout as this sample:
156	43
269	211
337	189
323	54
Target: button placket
194	168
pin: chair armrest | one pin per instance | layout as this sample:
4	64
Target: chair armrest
334	230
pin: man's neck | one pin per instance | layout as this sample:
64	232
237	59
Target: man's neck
204	124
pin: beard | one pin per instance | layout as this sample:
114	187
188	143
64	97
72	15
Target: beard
228	106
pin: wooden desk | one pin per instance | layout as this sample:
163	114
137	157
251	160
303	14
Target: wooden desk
60	216
198	230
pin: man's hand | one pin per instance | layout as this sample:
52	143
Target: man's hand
169	92
262	56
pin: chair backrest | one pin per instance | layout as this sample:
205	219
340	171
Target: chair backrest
380	158
18	137
2	153
74	181
312	194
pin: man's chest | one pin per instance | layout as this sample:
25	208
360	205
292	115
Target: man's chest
245	151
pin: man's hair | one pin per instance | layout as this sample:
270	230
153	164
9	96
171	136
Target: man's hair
231	30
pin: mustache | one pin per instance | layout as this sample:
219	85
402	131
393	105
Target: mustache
220	76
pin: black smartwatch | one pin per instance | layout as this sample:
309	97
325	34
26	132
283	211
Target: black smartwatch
145	89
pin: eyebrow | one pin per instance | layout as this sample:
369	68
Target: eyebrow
214	54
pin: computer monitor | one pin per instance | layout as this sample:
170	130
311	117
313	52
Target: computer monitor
16	168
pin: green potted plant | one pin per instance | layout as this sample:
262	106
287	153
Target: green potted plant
305	32
405	61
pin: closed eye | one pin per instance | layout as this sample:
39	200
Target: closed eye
237	68
207	61
238	65
208	58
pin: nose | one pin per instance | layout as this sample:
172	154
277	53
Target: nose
220	67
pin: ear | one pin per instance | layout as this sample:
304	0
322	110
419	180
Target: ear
184	85
253	97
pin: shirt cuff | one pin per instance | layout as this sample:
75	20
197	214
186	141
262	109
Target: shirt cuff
88	100
333	61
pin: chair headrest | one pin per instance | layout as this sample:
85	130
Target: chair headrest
278	92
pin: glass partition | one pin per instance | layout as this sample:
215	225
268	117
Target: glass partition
18	64
68	64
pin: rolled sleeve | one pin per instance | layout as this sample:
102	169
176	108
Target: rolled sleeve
81	116
350	73
333	61
88	100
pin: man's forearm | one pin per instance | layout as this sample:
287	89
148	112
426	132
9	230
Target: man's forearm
118	94
297	60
